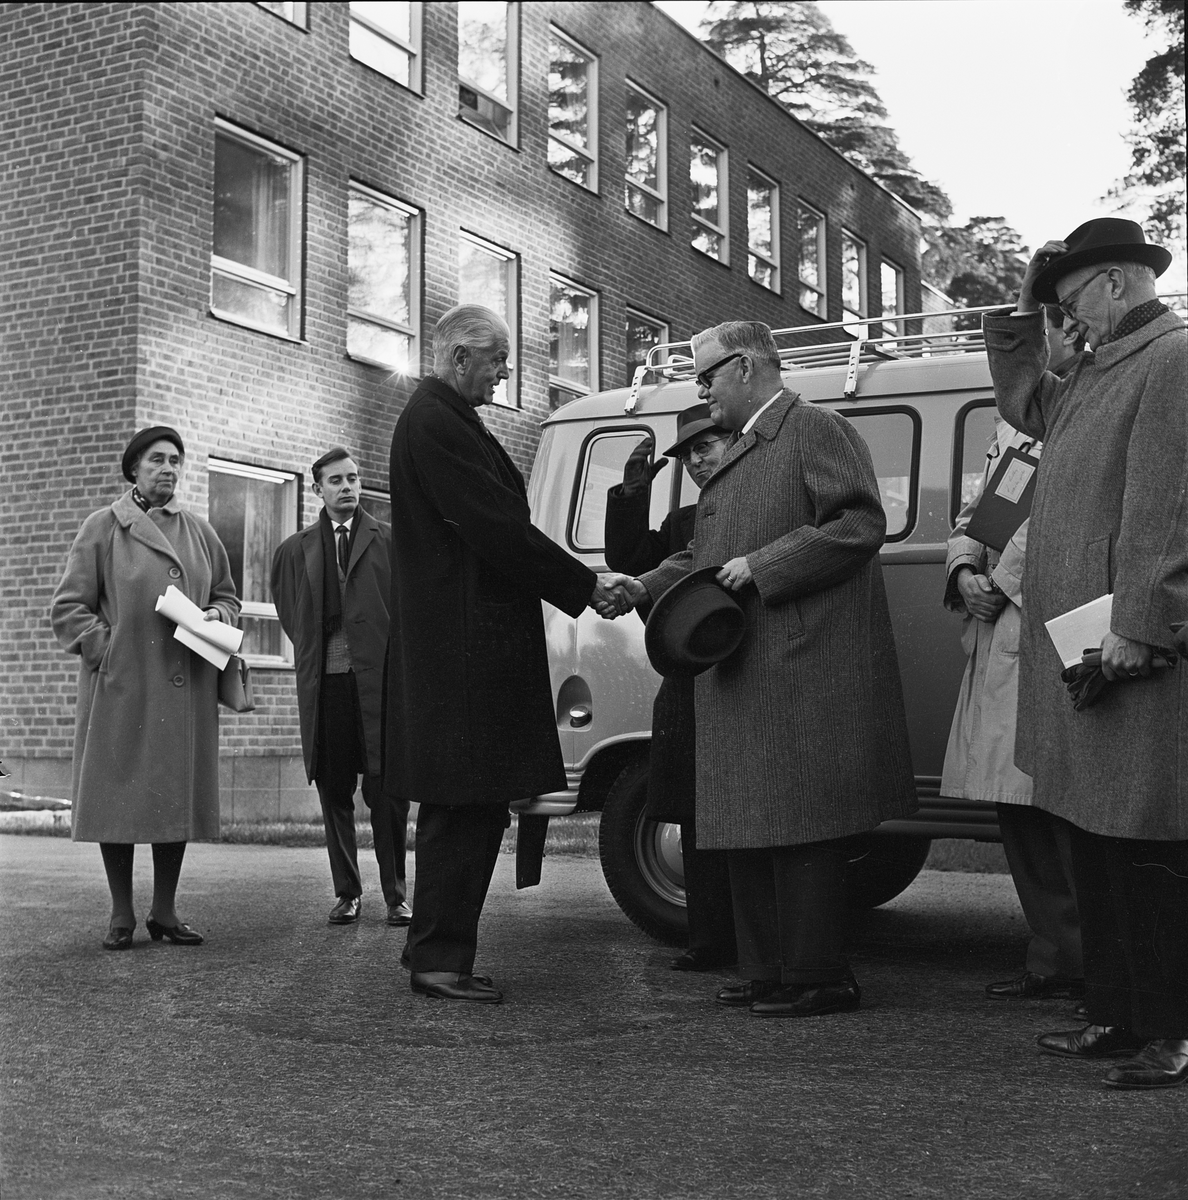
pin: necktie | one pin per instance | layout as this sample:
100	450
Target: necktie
343	552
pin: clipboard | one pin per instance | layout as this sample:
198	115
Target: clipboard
1006	500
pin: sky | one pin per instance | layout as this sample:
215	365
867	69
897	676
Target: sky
1017	108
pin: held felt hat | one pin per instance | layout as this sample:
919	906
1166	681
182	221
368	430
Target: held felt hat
1102	240
142	441
693	626
690	423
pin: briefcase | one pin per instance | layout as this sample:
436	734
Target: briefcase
235	685
1006	501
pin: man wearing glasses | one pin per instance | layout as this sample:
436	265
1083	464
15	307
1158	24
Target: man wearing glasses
633	548
1110	516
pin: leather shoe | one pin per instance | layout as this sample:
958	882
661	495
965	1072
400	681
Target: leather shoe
346	911
179	934
1093	1041
119	937
813	1001
1162	1063
702	959
1030	986
450	985
399	914
743	995
1082	1011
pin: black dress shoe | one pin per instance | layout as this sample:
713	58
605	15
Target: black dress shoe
179	934
399	914
119	937
346	911
813	1001
1093	1041
1082	1011
743	995
1162	1063
1030	986
702	959
449	985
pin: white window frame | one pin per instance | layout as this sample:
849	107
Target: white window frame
512	103
660	194
511	264
863	297
568	385
820	289
721	230
412	47
589	152
296	12
773	261
261	279
413	329
648	319
368	493
891	328
255	608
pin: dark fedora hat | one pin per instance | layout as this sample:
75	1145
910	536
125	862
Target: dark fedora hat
695	624
1104	239
142	441
690	423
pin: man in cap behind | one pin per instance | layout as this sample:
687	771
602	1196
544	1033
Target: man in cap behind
1110	516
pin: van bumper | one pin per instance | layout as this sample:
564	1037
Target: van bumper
550	804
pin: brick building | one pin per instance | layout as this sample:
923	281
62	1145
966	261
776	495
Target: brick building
244	219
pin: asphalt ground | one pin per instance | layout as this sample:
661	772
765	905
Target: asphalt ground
288	1058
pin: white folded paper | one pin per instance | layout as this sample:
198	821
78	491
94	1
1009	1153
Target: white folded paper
1080	629
214	640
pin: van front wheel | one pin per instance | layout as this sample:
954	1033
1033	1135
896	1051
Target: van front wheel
641	858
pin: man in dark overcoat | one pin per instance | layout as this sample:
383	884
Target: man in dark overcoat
471	720
804	738
1110	517
330	585
633	548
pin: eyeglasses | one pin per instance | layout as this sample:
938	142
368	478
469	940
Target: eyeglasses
705	378
701	448
1068	300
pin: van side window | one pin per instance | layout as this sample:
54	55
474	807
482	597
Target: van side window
602	467
893	438
975	429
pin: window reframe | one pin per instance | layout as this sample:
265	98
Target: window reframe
592	106
776	286
863	315
891	328
512	103
412	47
557	382
821	289
630	310
511	262
660	193
721	230
297	12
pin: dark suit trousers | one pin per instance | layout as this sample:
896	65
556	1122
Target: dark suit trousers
790	912
1133	897
341	760
707	896
1039	853
456	851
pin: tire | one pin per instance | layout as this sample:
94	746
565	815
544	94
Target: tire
883	866
641	858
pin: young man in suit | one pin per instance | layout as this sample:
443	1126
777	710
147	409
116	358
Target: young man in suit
330	584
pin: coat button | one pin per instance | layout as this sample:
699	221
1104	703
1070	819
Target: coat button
179	680
174	573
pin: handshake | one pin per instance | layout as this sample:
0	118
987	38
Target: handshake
616	594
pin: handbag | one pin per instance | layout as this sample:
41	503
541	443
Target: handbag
235	686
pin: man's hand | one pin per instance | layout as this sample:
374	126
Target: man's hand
639	470
1123	659
735	575
981	600
1039	260
613	596
212	614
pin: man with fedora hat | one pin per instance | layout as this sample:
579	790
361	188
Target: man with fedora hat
633	548
804	739
1110	516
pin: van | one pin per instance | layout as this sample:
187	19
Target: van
925	405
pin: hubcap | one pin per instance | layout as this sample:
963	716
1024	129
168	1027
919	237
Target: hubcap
658	853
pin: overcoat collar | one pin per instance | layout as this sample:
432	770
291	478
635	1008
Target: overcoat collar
1113	353
767	428
142	527
311	549
443	391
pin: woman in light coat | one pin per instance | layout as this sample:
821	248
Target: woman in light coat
146	765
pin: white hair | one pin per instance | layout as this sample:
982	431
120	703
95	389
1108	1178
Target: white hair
747	337
472	325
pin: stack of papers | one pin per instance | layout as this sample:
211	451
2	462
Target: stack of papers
214	640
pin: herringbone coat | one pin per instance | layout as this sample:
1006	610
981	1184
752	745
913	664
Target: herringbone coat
1110	514
804	736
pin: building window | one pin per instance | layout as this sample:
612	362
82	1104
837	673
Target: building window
573	341
487	66
707	171
853	276
488	275
642	334
253	510
573	111
810	235
291	10
383	270
377	504
763	230
386	35
255	276
647	157
891	281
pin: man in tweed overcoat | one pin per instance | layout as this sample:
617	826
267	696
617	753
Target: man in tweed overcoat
803	736
1110	515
